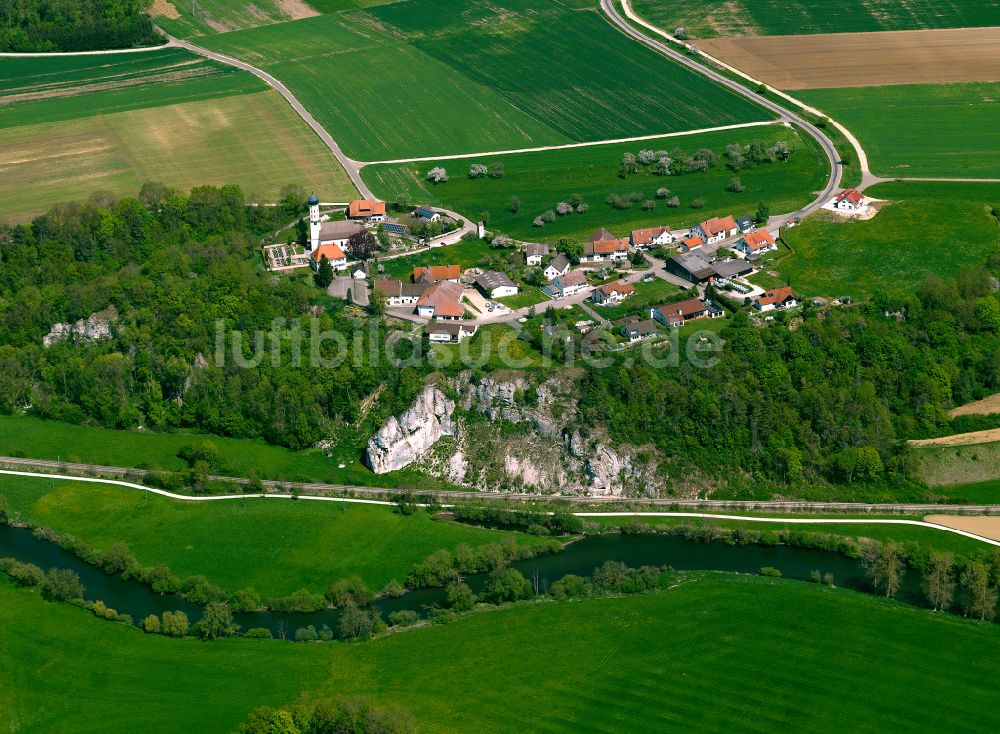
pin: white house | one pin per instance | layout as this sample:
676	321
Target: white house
398	293
534	252
496	285
615	250
559	266
652	237
756	243
637	330
716	229
366	210
567	285
448	332
779	298
612	293
426	215
332	253
849	200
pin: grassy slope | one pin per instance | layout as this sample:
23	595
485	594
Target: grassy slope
541	180
895	251
483	76
784	17
757	654
41	439
276	546
941	466
921	129
220	127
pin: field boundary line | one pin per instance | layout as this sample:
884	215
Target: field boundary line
567	146
386	503
103	52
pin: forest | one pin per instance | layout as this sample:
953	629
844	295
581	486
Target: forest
829	396
28	26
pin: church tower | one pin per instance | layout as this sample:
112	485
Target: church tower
314	225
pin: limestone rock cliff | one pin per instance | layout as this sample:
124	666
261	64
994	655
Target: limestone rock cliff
403	440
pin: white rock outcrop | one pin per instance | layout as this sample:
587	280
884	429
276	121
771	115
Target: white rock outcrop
403	440
97	326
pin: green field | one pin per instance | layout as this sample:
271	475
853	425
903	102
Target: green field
483	76
72	125
894	252
541	180
275	546
44	439
465	254
941	466
221	16
714	654
712	18
946	130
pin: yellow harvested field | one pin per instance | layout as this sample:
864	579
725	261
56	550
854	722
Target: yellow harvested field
960	439
983	525
829	60
254	140
986	406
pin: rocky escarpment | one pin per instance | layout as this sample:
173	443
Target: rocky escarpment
97	326
512	433
403	440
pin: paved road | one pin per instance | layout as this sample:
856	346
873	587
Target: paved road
75	471
836	168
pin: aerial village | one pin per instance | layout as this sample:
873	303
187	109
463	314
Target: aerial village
634	287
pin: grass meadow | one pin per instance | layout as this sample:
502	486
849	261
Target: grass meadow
946	130
275	546
893	252
541	180
484	76
219	16
165	116
978	464
713	18
714	653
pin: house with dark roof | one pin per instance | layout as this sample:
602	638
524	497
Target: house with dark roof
448	332
494	284
398	293
366	210
637	329
693	266
678	314
744	223
776	299
733	267
534	252
612	293
716	229
601	234
560	265
426	215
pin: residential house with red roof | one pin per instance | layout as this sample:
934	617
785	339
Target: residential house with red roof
612	293
716	229
366	210
849	200
756	243
442	301
652	237
332	253
437	273
779	298
678	314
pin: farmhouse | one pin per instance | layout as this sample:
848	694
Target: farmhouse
651	237
437	273
779	298
693	266
366	210
615	250
716	229
849	200
496	285
756	243
534	252
609	295
442	301
448	332
566	285
691	243
426	215
332	253
559	266
636	330
398	293
677	314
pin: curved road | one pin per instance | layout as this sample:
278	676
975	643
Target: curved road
836	168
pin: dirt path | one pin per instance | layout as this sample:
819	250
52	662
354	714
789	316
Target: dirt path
959	439
986	406
982	525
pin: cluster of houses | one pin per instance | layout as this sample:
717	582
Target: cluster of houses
672	315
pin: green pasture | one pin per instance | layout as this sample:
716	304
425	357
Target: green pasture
712	18
541	180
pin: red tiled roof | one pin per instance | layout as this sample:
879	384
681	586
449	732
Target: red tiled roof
601	234
852	195
692	242
437	272
646	236
623	288
332	252
778	295
365	208
757	240
674	312
444	297
606	247
391	288
715	225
